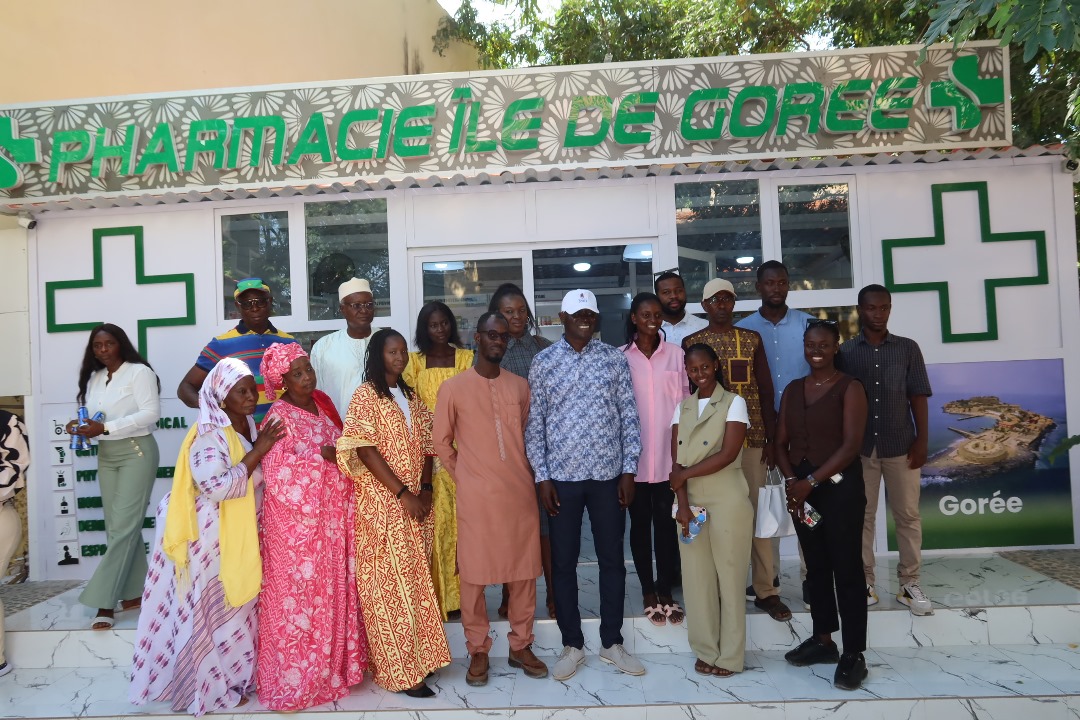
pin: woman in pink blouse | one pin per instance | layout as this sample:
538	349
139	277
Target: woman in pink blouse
656	368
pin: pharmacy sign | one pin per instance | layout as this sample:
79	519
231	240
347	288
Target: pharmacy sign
763	106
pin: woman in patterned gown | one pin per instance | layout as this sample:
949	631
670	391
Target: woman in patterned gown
311	639
195	646
440	358
386	450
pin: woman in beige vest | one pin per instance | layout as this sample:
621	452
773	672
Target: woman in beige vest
706	442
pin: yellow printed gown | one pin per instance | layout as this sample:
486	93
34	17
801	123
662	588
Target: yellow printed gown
405	637
444	574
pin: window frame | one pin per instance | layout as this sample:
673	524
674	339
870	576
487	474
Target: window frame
771	247
298	320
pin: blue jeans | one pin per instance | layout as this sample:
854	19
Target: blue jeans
608	519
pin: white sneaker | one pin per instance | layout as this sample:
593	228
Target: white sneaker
916	600
871	596
5	668
568	663
627	663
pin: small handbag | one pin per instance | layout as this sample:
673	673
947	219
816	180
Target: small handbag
773	520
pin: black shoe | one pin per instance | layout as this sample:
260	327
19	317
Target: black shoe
419	691
776	581
812	652
750	594
806	594
850	672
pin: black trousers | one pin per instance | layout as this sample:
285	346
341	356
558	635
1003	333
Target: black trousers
651	523
833	554
608	520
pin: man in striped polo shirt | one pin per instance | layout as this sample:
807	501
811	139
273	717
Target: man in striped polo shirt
247	342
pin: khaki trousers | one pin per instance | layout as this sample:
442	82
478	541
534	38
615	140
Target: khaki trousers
474	617
10	537
764	552
902	488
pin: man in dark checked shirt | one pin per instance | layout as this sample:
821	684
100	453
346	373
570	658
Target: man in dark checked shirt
892	370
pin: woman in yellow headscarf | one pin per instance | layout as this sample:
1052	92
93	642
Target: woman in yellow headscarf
195	646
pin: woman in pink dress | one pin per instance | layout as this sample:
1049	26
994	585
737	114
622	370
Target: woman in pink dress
312	645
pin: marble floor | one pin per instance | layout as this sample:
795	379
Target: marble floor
951	582
1004	642
900	681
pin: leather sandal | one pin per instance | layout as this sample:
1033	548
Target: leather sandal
775	607
656	615
674	613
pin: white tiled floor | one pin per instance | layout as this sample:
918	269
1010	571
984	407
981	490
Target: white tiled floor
904	676
996	647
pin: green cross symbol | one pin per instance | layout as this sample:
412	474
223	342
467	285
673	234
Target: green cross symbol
990	285
141	278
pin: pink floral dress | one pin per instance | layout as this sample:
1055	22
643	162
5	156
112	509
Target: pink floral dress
312	644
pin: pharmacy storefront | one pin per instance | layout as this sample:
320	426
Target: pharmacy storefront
851	167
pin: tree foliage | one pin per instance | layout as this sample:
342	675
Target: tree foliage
1036	25
594	31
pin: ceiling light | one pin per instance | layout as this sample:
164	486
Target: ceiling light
582	266
640	252
450	266
745	259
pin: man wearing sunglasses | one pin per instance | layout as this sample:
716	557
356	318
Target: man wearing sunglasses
338	358
479	435
247	341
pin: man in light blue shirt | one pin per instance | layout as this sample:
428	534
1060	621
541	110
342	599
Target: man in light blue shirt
583	440
781	330
780	327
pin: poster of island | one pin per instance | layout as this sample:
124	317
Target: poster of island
987	481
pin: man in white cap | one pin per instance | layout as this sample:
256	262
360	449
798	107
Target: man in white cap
338	358
746	373
583	441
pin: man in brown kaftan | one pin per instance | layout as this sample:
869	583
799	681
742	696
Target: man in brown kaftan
479	436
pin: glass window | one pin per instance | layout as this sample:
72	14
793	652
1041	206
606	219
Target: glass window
614	274
815	237
466	287
346	240
719	234
256	245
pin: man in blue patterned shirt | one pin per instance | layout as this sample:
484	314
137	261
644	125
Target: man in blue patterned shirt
583	441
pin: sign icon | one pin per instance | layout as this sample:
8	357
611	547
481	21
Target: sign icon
990	284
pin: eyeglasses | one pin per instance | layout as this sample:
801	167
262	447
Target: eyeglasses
355	306
819	323
253	304
494	335
717	299
673	270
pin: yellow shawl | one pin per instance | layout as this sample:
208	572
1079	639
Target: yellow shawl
241	563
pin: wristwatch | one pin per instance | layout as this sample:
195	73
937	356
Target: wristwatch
810	479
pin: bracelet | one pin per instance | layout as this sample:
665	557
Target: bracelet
427	486
791	479
400	492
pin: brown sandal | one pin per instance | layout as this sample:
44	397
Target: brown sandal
775	607
703	668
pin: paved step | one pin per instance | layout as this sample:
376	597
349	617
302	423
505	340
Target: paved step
940	683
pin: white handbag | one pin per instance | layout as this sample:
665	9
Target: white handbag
773	520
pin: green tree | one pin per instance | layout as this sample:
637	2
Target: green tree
594	31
